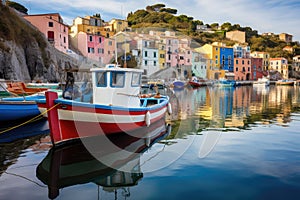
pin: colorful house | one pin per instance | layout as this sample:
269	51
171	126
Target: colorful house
296	64
280	65
199	65
257	68
242	63
90	25
53	27
265	56
96	47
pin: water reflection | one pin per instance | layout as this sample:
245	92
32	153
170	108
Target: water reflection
237	108
76	164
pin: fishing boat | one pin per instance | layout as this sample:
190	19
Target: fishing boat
225	83
113	163
264	81
285	82
196	82
116	106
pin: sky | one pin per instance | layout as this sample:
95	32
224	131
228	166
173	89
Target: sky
277	16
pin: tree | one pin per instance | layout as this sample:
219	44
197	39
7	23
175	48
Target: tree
17	6
226	26
169	10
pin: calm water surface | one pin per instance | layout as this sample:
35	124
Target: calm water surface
241	143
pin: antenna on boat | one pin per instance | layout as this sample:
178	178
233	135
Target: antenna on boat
125	59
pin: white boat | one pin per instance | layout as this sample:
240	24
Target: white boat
264	81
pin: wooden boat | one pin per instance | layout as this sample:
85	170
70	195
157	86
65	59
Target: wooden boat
20	88
285	82
113	162
264	81
16	110
115	106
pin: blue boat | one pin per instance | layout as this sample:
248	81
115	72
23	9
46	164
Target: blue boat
16	110
225	83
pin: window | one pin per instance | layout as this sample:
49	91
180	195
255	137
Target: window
237	62
101	79
100	39
50	36
91	50
154	54
146	54
110	43
162	55
136	79
117	79
64	39
146	62
100	50
90	38
50	24
154	63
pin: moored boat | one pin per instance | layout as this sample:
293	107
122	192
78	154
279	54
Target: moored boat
264	81
115	106
20	88
196	82
16	110
285	82
225	83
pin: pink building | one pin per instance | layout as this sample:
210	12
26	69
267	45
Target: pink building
52	26
242	69
96	47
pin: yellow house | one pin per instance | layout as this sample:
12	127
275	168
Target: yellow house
212	52
117	25
280	65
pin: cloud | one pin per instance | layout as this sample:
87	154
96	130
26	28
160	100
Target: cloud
264	16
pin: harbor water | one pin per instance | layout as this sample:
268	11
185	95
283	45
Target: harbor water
219	143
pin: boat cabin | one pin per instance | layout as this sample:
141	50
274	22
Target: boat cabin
116	86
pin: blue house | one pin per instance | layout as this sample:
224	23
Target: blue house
226	58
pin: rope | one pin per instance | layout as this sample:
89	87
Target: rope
30	120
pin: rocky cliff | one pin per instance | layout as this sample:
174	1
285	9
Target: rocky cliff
25	54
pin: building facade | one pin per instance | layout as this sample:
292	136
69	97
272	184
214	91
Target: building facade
280	65
265	56
53	27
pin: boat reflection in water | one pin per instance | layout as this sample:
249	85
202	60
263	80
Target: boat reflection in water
113	162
